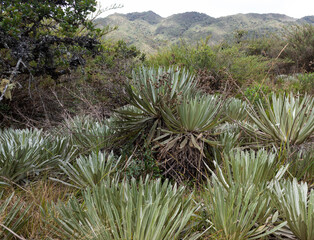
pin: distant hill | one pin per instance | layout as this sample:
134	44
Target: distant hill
148	31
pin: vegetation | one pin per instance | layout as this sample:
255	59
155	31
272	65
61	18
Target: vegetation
130	210
193	142
151	33
37	34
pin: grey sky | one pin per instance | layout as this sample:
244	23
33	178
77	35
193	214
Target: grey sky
214	8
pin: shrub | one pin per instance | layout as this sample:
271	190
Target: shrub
223	64
257	93
297	83
182	54
301	46
234	63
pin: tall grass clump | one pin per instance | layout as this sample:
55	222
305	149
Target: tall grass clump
13	216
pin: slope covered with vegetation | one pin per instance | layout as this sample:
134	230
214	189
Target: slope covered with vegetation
150	32
195	141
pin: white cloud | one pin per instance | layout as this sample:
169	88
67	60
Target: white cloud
214	8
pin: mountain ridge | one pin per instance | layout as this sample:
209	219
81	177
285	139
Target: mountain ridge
149	31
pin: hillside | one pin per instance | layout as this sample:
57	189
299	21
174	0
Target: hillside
148	31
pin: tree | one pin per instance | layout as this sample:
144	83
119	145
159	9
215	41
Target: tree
46	37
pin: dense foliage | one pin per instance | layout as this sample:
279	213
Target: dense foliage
43	36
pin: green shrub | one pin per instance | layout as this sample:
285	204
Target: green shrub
140	161
297	83
291	50
182	54
223	63
306	81
234	63
301	46
257	93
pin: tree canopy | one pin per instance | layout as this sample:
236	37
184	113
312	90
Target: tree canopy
46	37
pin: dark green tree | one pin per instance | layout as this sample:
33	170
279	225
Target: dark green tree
46	37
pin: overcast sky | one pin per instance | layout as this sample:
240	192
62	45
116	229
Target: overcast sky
214	8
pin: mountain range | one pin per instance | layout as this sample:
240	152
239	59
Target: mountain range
149	32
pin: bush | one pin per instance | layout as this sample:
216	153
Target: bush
297	56
184	55
234	63
220	63
257	93
301	46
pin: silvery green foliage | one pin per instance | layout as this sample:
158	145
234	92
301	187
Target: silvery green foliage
234	109
238	212
147	92
249	167
90	170
88	134
296	203
238	201
26	153
285	120
128	210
